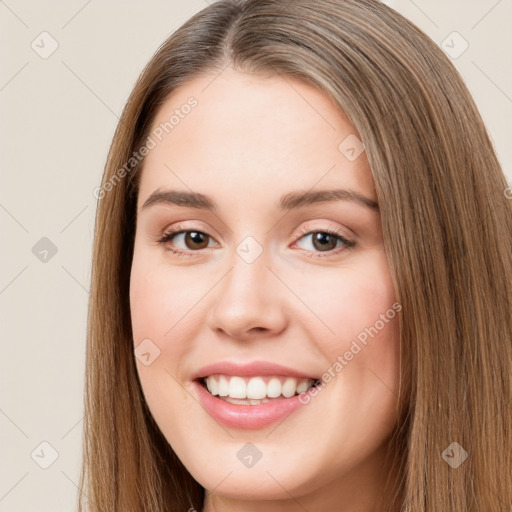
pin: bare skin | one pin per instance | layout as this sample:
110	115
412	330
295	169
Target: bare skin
249	141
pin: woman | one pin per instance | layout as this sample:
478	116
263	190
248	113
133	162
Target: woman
265	369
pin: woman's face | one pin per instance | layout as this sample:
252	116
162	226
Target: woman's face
262	279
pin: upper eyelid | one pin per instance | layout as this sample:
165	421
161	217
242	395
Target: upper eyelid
304	231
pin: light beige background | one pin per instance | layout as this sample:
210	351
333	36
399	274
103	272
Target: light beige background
58	117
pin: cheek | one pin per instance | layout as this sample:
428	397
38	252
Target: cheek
352	303
166	307
159	318
153	310
145	302
158	297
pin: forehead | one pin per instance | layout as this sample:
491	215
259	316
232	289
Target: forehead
246	135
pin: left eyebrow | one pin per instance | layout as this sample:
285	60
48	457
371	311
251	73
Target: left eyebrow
290	201
299	199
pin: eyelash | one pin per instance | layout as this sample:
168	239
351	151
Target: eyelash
169	235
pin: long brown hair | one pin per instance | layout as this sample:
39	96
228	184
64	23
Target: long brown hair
447	228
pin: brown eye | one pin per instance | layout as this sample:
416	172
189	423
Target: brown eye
196	240
191	241
324	241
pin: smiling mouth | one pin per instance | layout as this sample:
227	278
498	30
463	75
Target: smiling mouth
255	390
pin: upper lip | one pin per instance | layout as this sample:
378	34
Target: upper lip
252	369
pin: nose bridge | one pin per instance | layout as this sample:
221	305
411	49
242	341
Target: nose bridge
247	296
249	268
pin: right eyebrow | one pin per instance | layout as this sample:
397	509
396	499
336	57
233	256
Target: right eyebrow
180	198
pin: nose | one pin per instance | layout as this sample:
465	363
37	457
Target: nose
248	301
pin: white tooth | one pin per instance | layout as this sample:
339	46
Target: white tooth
237	387
289	387
274	387
256	388
223	388
212	385
304	385
236	401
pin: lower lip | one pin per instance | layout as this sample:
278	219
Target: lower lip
247	416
